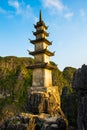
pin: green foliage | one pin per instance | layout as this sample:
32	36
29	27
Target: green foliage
63	79
68	74
15	79
58	79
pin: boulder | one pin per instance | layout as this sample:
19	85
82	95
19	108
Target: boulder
54	123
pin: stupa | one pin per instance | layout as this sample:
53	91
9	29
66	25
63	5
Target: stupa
43	96
42	76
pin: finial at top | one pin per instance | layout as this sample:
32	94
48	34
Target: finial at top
40	17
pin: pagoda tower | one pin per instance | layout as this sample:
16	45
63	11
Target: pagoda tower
43	97
42	68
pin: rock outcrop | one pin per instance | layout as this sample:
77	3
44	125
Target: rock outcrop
54	123
46	113
80	86
44	100
26	121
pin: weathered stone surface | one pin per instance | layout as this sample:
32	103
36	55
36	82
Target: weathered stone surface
44	100
26	121
80	85
42	77
44	104
54	123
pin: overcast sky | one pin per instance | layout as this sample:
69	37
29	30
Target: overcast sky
67	21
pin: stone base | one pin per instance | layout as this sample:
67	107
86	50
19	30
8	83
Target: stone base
44	100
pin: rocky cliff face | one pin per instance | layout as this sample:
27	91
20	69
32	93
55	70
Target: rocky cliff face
69	107
80	86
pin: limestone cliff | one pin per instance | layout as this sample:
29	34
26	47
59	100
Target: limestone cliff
80	86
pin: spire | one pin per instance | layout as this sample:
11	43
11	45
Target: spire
40	17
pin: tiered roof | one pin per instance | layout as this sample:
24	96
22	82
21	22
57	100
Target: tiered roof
42	51
45	51
40	40
41	22
42	65
41	31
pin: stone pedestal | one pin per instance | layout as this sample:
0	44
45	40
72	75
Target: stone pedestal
44	100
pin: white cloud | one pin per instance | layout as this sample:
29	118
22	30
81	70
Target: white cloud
20	8
57	4
82	12
69	15
14	3
57	7
7	13
27	11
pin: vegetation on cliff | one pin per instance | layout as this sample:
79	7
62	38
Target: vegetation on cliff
15	78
